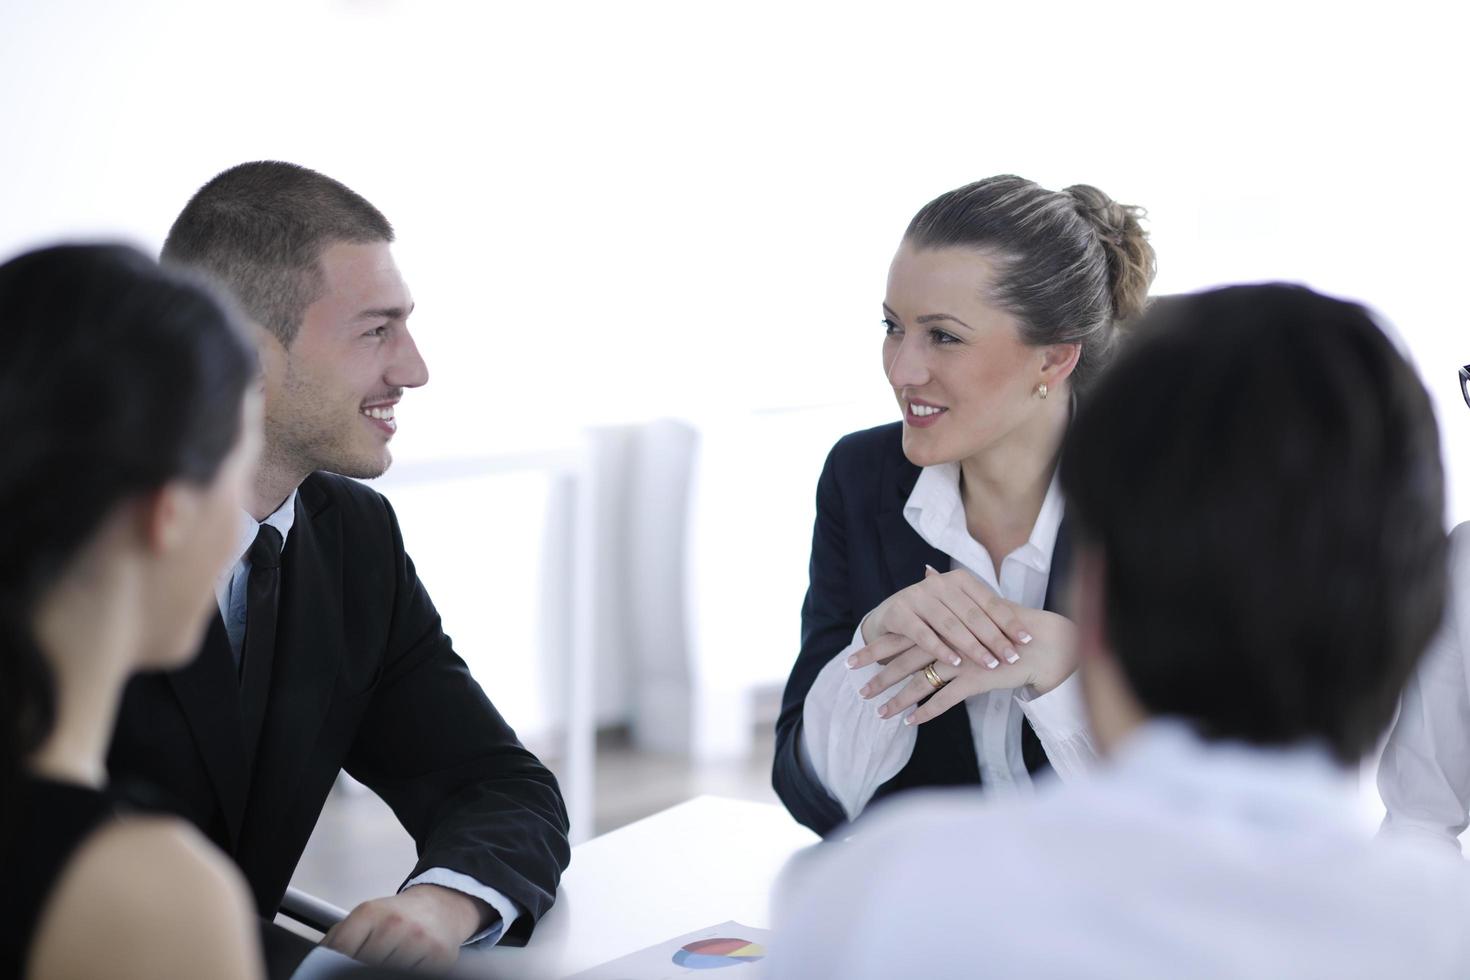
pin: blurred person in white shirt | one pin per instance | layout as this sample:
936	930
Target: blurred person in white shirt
1424	775
1259	563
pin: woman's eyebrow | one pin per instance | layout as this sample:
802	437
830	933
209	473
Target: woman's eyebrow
932	317
929	317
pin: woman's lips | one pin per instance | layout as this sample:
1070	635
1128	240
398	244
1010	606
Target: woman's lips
931	414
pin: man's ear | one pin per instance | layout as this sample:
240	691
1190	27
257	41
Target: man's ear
1058	361
268	346
164	514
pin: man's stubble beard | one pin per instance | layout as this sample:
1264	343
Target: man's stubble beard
311	437
326	447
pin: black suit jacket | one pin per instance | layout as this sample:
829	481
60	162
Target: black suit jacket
863	551
363	679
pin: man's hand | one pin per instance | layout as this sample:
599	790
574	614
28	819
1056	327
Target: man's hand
421	926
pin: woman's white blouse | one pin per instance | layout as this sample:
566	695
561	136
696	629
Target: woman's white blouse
853	752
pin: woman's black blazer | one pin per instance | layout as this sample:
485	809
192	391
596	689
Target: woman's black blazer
863	551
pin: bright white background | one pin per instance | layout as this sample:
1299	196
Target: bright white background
615	212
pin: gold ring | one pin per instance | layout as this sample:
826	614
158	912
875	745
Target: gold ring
932	676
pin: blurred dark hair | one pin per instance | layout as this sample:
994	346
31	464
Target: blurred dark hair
259	229
1261	475
1071	265
118	377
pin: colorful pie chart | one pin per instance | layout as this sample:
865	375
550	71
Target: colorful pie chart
711	954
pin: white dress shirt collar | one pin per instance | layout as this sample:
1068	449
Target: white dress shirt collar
1166	757
282	519
936	511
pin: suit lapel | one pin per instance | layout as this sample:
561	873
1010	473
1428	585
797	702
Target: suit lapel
209	692
904	551
1061	571
307	655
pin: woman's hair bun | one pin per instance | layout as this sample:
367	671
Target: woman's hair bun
1131	262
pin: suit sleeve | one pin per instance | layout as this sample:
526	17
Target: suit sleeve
827	624
439	753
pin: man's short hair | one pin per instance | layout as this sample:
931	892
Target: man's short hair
260	229
1261	476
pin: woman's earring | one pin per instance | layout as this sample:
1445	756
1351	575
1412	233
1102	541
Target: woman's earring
1041	390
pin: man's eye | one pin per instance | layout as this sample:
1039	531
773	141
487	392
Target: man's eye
377	331
943	337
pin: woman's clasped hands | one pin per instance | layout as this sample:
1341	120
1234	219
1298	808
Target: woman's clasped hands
953	637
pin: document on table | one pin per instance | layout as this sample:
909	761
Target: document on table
727	945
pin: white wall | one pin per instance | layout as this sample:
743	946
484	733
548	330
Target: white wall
618	211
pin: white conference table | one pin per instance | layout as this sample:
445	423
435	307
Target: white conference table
697	864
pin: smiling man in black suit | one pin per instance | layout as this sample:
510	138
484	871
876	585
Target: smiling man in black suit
328	653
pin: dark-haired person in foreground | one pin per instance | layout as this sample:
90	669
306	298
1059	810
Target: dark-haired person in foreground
128	448
327	653
1259	563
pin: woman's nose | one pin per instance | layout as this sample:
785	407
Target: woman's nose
907	365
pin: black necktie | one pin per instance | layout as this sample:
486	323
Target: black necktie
262	601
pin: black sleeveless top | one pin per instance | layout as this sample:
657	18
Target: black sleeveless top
42	825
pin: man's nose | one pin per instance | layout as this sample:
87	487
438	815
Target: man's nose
407	369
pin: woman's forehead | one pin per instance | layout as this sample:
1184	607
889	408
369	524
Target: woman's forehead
955	282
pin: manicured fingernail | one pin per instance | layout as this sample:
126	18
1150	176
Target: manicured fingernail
1012	656
955	661
1023	636
883	711
867	692
992	663
852	660
908	719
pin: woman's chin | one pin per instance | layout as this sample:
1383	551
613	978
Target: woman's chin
922	450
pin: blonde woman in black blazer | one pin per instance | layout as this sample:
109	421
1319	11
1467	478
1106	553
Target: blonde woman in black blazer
940	540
